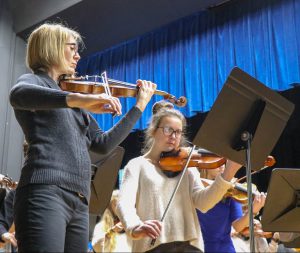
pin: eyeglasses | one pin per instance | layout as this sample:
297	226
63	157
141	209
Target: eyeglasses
168	131
74	46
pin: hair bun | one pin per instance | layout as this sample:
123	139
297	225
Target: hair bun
162	104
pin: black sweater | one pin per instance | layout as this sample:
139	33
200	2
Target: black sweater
59	137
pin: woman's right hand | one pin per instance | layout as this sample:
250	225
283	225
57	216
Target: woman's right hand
95	103
150	228
145	93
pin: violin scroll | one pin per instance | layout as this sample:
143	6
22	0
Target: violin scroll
180	102
270	161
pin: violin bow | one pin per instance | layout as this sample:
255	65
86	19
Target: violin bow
254	172
175	190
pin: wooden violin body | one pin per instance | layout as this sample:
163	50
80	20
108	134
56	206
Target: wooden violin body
175	161
257	231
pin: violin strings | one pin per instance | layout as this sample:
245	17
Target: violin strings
121	83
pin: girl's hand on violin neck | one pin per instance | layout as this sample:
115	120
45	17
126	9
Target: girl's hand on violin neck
149	228
95	103
230	170
145	93
259	202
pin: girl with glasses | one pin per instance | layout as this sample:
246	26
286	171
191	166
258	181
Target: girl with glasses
146	191
51	202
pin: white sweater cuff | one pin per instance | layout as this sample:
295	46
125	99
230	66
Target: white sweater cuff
221	182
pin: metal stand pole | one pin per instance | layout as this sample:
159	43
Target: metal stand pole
247	137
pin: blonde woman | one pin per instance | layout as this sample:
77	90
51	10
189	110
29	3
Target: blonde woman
51	202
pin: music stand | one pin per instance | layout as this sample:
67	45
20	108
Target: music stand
292	244
104	179
230	112
282	208
245	115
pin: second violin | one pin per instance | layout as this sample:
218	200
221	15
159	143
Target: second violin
175	161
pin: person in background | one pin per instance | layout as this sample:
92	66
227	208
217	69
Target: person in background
264	242
7	233
7	228
51	201
161	104
109	234
216	224
146	191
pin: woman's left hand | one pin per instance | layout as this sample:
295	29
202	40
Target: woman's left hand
145	93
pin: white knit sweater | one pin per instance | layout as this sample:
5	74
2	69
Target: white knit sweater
145	193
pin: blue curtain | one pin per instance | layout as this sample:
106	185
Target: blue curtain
193	56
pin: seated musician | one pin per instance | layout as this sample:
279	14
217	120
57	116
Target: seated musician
217	222
7	228
264	241
7	234
146	191
109	234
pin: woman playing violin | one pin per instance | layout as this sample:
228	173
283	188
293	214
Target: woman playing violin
217	222
51	202
146	190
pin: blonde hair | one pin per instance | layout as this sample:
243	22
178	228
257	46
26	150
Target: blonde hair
154	123
161	104
108	220
46	44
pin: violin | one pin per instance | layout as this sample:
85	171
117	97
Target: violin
239	191
257	232
175	160
116	88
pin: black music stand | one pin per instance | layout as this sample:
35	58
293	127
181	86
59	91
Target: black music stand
292	244
242	101
104	179
246	115
282	208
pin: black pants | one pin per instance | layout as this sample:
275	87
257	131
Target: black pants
50	219
174	247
